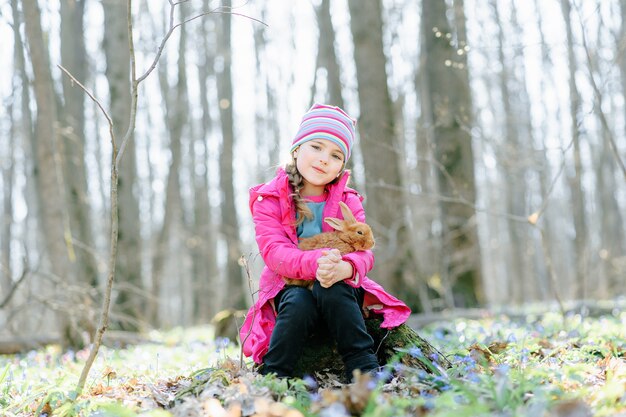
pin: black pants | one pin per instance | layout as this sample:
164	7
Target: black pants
301	311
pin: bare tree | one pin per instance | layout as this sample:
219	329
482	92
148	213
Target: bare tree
48	174
450	116
205	271
234	295
167	246
266	123
575	177
381	156
7	170
327	58
73	57
513	160
117	72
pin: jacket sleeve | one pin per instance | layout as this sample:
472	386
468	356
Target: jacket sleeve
280	254
362	261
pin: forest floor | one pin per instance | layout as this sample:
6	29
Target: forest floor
536	365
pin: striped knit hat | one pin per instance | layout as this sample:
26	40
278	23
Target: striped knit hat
327	122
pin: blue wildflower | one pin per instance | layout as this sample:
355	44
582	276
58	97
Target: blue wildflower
310	382
416	352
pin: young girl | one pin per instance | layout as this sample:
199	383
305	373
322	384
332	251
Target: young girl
292	206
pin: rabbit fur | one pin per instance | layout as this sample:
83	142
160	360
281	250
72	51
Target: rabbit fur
349	236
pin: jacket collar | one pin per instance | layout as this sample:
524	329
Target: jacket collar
279	187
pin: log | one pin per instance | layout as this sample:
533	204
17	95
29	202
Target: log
320	355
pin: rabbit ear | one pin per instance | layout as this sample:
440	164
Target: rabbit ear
347	214
335	223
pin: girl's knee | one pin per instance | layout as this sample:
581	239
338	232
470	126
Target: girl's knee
338	292
297	298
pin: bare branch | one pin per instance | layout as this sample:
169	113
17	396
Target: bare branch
95	100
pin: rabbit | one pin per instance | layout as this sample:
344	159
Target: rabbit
349	236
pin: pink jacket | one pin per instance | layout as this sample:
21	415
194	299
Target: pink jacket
274	217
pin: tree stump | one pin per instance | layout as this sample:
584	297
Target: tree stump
391	346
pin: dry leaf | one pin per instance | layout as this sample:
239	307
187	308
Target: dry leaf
109	373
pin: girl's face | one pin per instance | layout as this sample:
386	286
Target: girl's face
319	161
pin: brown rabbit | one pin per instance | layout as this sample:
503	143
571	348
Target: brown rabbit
349	236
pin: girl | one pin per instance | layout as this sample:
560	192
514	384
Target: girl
292	206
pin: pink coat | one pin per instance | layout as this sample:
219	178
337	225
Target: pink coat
274	217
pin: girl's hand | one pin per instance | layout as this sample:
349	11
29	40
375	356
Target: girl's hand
332	269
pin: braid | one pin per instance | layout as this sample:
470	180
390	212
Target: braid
296	180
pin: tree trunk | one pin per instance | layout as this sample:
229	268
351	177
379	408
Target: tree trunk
266	125
512	159
7	170
450	116
546	239
73	56
48	175
167	244
381	153
234	295
128	268
204	251
575	178
49	183
621	49
326	57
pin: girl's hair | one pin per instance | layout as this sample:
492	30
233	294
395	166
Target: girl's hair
297	181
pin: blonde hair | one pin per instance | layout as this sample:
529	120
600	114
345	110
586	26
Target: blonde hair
297	181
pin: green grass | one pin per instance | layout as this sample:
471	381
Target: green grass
501	367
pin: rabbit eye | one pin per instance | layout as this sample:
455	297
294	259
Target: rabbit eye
360	232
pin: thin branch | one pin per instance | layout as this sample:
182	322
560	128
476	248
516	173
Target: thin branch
74	80
244	263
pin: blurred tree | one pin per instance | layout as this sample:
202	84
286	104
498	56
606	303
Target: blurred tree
513	159
378	143
234	295
74	59
449	108
577	194
205	269
128	269
326	58
168	242
48	173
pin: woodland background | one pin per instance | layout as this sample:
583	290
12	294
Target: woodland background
491	151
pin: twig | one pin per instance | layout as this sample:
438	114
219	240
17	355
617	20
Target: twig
95	100
244	263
